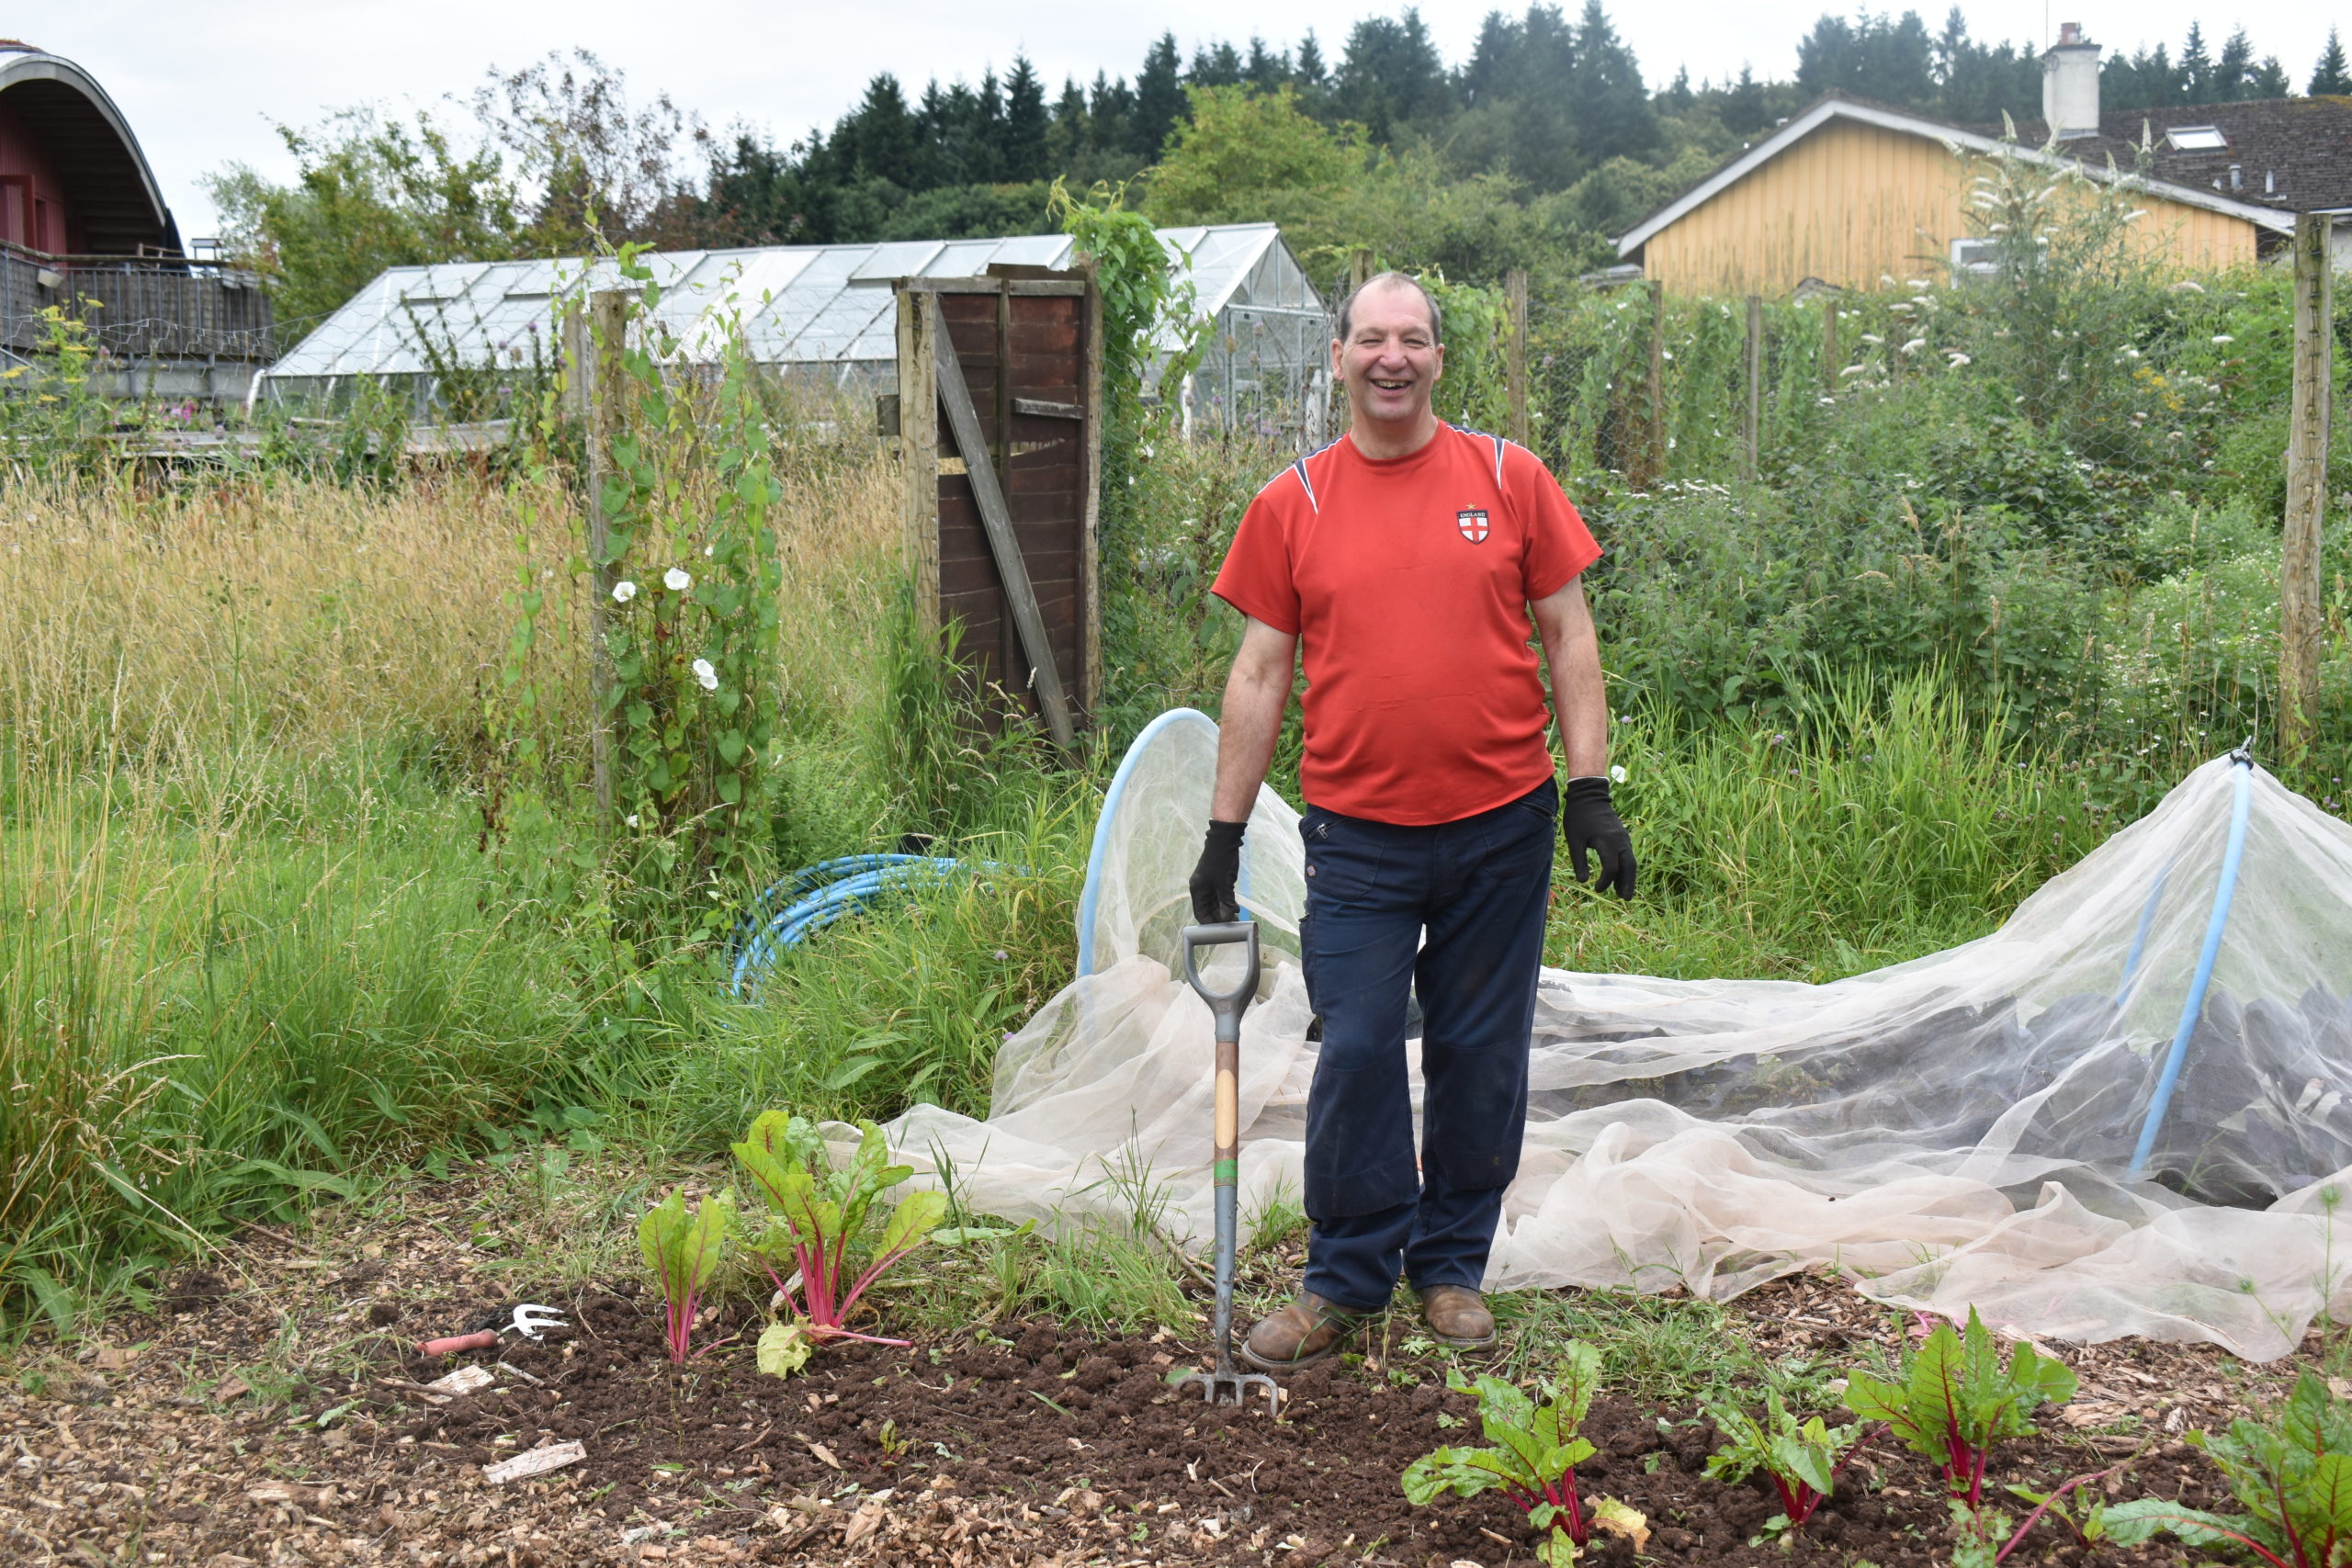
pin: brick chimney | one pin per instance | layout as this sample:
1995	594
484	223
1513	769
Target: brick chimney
2070	83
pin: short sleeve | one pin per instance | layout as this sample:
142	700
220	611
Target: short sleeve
1559	547
1255	577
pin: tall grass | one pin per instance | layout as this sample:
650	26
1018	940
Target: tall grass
224	982
290	614
1892	822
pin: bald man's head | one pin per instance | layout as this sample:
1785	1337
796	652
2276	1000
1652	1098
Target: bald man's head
1384	280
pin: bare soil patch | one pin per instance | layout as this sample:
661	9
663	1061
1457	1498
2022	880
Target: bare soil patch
271	1411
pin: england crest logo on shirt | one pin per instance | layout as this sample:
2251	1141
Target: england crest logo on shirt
1473	524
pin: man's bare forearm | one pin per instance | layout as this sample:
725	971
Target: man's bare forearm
1579	692
1255	692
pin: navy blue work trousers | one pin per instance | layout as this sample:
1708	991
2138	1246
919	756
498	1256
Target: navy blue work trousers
1479	887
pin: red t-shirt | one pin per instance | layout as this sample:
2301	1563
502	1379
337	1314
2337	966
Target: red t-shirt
1407	584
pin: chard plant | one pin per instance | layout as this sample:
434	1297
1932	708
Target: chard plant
1803	1459
2292	1474
1533	1458
684	1254
1954	1397
823	1216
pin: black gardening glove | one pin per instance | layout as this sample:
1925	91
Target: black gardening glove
1588	822
1213	879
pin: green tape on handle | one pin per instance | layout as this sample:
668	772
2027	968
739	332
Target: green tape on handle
1226	1172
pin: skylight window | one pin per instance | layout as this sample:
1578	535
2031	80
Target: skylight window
2196	138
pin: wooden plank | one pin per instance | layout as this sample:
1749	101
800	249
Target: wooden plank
1041	408
1751	422
606	352
964	419
962	576
2301	621
922	510
1090	555
1515	364
949	288
1057	341
1001	436
1655	458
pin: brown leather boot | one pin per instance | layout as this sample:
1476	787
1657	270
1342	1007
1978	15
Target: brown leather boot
1457	1315
1308	1330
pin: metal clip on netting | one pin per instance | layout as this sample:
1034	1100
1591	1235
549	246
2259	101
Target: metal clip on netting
2224	890
814	897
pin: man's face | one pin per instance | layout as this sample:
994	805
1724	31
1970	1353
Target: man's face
1391	360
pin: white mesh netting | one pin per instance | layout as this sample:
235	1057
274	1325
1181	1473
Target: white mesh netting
1954	1131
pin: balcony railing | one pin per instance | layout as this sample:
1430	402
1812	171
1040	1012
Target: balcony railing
136	307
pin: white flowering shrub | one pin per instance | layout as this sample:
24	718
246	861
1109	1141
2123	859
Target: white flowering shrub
693	700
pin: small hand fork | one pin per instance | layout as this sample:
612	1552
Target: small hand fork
530	1320
1226	1383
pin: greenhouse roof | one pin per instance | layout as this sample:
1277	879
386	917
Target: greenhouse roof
818	304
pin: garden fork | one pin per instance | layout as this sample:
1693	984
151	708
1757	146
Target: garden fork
530	1320
1227	1008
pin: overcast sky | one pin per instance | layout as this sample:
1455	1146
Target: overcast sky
203	85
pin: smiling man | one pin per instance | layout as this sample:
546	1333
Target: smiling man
1406	560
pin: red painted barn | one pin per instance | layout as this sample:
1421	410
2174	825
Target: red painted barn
73	180
85	237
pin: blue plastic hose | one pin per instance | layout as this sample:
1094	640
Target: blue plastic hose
2140	937
2241	807
814	897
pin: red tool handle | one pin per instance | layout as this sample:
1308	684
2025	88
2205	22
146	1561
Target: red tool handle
479	1341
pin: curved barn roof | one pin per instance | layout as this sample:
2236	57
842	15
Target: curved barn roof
112	191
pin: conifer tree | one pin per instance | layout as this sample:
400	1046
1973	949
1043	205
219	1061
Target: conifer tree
2330	74
1021	148
2234	72
1610	105
1159	97
2196	72
1311	70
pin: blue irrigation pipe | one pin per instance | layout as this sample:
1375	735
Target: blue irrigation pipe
2224	890
815	897
2140	937
1089	901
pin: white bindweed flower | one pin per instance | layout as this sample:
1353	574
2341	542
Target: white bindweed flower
709	551
1617	772
704	673
623	590
632	819
2224	337
676	580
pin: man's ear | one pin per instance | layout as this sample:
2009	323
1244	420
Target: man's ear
1440	362
1335	359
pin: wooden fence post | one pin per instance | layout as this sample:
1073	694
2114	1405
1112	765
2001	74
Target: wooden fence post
1829	355
607	332
918	455
1752	426
1515	359
1359	267
1657	384
2307	440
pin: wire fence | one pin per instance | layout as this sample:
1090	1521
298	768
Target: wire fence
133	307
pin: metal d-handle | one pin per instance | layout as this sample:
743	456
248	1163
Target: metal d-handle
1227	1008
